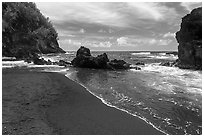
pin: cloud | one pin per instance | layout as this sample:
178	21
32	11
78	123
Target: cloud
99	13
169	34
152	11
141	41
116	24
191	5
82	31
122	40
106	44
102	31
109	14
97	44
71	42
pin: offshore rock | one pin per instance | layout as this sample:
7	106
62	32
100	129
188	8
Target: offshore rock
189	38
84	59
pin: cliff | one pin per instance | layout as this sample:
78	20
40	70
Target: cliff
25	31
189	38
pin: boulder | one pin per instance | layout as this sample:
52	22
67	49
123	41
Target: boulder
189	38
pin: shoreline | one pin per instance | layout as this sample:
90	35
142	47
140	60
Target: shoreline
123	110
69	109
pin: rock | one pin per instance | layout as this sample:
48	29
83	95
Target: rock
84	59
102	60
169	64
39	61
119	64
49	62
83	51
189	38
140	63
165	64
63	63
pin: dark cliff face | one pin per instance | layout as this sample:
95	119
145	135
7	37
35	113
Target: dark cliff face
189	38
25	31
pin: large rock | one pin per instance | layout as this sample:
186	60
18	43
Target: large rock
189	38
84	59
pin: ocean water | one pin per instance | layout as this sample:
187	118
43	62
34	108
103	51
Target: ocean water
168	98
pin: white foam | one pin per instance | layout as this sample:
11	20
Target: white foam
163	54
57	70
141	53
22	63
48	58
70	53
164	57
191	80
10	64
44	66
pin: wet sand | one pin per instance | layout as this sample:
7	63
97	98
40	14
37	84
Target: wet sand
49	103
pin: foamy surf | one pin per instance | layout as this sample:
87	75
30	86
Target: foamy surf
171	77
22	63
10	64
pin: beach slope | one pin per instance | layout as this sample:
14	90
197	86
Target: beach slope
49	103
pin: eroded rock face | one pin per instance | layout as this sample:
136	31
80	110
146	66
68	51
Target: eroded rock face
189	38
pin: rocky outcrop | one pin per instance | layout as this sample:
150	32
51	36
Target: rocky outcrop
189	38
84	59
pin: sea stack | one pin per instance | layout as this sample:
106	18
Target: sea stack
189	38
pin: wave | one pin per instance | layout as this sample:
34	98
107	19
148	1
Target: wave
141	53
172	77
172	57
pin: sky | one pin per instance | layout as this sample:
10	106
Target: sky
105	26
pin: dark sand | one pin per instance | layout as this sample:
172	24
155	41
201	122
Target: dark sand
49	103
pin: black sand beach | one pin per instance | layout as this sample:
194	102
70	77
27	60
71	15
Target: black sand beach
49	103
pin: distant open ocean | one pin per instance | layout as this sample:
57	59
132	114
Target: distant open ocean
168	98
